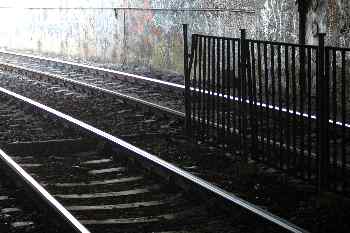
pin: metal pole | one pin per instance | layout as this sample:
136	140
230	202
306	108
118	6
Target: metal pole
187	80
323	114
243	68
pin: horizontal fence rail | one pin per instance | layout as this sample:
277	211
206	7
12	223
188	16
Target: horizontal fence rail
283	104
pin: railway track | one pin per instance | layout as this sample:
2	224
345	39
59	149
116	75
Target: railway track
104	187
55	87
17	191
168	129
162	93
120	114
27	207
160	134
107	195
104	78
107	112
169	96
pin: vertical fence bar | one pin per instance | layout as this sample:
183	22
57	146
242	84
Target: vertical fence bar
218	85
267	101
223	87
234	86
302	75
323	113
309	104
331	68
343	120
279	80
317	125
200	82
204	86
326	128
261	109
213	82
273	99
243	68
239	93
228	77
194	100
195	84
254	101
208	84
318	120
294	102
187	81
250	115
334	103
287	126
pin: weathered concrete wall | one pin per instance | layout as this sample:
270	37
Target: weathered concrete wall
338	22
331	17
277	20
147	38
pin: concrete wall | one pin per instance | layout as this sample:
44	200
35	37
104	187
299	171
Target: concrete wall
338	23
148	38
277	20
145	38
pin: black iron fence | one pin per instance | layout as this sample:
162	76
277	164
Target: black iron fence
284	104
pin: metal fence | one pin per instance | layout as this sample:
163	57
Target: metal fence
337	76
283	104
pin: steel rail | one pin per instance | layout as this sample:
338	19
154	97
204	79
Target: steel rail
41	193
230	197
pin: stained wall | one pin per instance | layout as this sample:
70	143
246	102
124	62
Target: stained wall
143	33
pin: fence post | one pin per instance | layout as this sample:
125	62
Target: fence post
243	69
322	116
187	80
